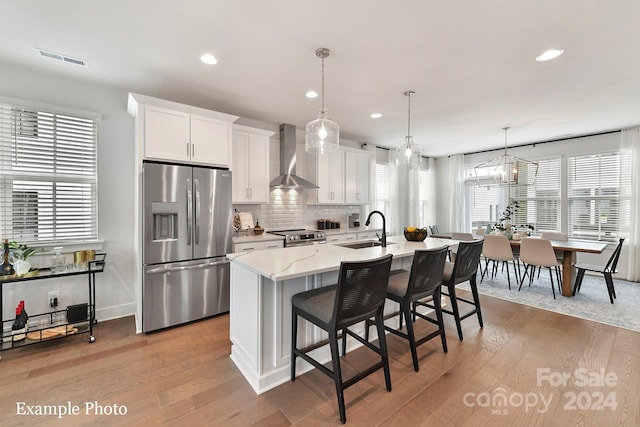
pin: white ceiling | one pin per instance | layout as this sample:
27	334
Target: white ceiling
470	62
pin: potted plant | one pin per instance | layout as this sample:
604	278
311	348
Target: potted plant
505	223
20	253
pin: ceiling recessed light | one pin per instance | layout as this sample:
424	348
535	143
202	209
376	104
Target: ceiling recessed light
311	94
376	115
550	54
208	59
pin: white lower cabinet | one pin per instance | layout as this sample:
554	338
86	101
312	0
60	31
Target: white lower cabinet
372	234
340	238
256	246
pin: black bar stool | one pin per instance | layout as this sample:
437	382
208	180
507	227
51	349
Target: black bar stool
419	288
464	269
359	295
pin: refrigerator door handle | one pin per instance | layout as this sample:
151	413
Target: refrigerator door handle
189	212
197	213
187	267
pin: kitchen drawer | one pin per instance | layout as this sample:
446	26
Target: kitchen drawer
369	234
255	246
339	238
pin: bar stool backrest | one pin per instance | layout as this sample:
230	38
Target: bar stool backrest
361	290
467	259
426	271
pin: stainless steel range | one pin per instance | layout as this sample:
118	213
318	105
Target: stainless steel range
299	237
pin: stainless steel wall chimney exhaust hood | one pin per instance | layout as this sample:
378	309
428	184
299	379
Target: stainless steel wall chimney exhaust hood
288	177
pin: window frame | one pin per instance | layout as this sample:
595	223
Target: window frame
75	176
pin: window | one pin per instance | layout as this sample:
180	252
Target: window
599	196
48	175
539	203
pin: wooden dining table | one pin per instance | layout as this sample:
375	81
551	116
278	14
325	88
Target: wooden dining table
569	250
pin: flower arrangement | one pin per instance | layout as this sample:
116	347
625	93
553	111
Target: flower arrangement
505	224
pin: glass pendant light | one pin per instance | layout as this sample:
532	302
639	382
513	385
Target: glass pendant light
322	133
409	153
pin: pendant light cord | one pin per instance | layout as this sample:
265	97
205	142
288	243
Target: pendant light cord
322	100
409	94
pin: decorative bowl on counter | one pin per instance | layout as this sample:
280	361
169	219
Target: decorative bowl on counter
258	230
414	234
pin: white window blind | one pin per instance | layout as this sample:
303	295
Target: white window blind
599	196
539	202
48	175
485	203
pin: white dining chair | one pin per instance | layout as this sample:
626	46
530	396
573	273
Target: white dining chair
497	249
538	252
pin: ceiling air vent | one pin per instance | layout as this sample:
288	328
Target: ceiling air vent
60	57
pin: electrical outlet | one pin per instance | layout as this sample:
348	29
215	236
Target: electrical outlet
53	299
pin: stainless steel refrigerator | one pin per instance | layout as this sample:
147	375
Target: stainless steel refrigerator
187	232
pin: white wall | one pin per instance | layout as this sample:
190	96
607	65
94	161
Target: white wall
115	287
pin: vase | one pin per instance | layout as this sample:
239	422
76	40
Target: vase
22	267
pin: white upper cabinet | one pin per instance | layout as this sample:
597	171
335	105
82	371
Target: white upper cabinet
181	133
357	170
327	171
250	165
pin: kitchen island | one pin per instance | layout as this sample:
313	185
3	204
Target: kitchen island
262	283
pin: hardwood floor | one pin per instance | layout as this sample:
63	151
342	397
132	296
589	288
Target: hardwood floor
184	377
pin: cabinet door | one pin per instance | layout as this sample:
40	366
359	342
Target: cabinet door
324	179
240	154
258	167
337	176
356	178
328	169
166	134
362	179
210	141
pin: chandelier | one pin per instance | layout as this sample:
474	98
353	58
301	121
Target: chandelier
322	133
507	169
409	153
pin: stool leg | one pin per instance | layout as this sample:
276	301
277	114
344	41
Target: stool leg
382	341
406	308
337	374
294	336
454	308
476	299
437	303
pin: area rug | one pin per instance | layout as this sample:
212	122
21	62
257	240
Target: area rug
591	303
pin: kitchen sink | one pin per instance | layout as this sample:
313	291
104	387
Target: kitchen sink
362	244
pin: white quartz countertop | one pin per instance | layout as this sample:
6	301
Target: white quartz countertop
289	263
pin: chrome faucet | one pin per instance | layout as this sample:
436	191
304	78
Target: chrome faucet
382	239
